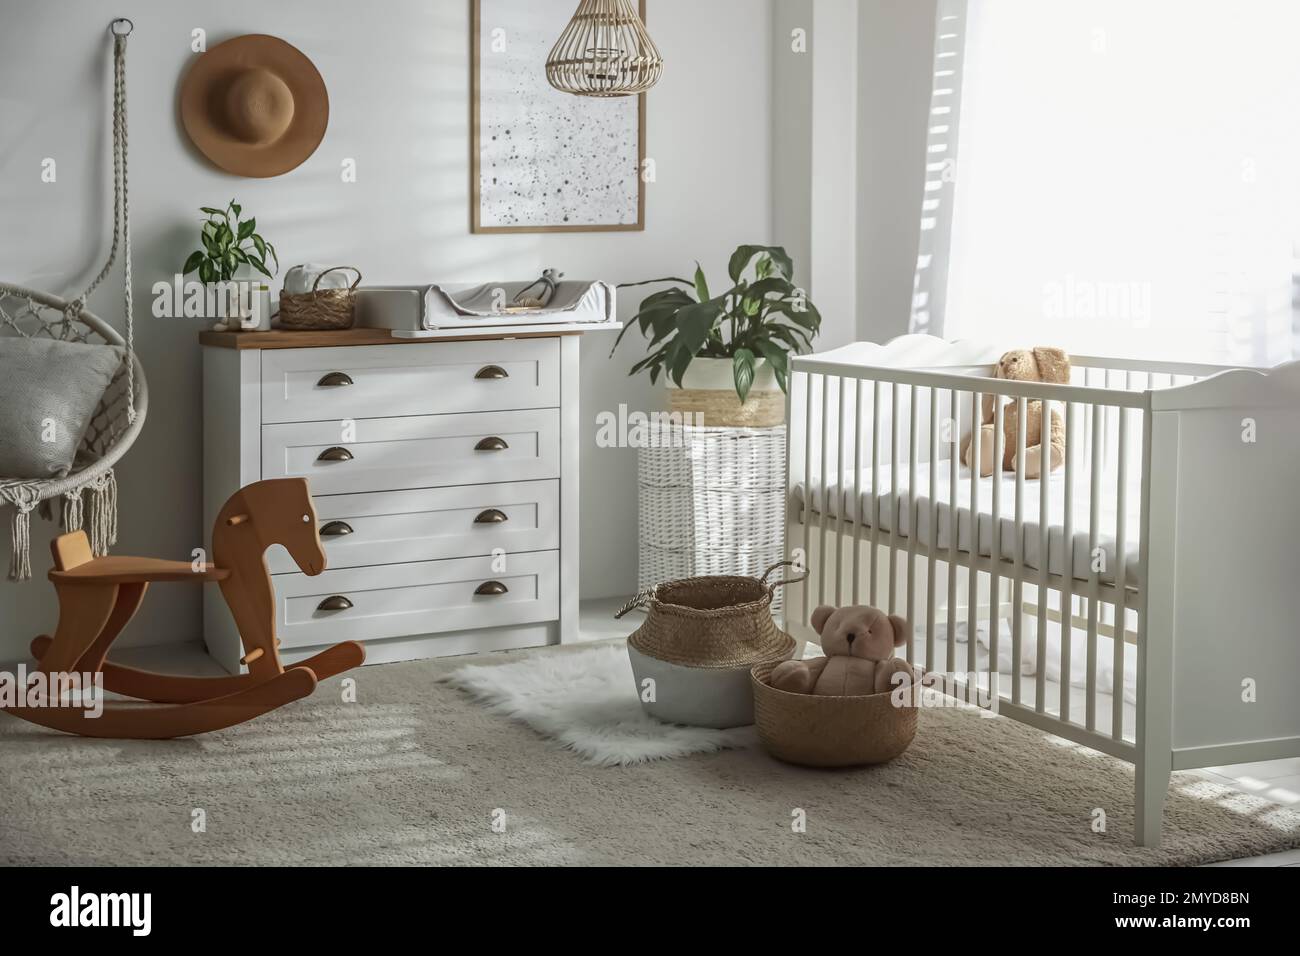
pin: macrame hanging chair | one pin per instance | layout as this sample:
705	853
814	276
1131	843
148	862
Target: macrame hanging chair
89	490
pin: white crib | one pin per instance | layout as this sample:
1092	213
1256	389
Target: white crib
1168	561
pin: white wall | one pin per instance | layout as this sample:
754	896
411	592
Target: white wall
849	156
834	239
895	52
793	45
398	78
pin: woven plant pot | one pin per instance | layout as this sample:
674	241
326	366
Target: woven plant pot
699	641
718	621
709	390
820	731
320	309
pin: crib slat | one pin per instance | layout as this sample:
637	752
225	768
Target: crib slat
1018	587
1087	415
1108	427
857	489
1121	579
933	536
808	495
1067	548
912	525
1044	526
1094	578
995	549
894	507
875	488
826	507
954	462
841	503
972	575
1106	610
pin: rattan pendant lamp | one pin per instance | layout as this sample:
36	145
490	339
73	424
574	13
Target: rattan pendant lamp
604	51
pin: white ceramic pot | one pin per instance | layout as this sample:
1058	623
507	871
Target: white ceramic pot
716	697
253	313
718	373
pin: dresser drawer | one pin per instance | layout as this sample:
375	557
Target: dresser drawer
321	384
424	598
396	527
383	454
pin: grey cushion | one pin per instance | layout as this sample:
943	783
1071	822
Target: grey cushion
49	391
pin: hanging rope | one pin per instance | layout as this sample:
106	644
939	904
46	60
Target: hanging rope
90	489
121	215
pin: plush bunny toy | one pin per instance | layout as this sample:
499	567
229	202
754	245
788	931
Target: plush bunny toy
859	643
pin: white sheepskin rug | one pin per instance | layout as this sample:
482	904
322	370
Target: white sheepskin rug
587	701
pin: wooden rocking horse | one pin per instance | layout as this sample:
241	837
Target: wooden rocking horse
98	596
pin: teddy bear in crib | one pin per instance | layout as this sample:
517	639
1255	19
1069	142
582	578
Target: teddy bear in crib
1039	364
859	644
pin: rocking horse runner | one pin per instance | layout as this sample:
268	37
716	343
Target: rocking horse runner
98	596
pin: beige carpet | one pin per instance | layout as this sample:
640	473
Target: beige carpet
414	771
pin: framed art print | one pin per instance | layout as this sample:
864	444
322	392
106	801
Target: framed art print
542	160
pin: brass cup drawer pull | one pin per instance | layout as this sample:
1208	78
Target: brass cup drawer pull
491	516
491	588
335	380
335	454
335	602
335	529
491	444
491	371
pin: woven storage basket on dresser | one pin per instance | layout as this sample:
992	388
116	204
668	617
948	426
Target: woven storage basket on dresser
321	309
711	501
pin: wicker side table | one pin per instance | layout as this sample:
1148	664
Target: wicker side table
711	501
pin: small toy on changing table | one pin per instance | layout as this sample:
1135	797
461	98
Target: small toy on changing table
859	644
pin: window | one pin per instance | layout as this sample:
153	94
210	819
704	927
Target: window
1124	178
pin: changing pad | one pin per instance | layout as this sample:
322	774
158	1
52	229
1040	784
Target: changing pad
483	307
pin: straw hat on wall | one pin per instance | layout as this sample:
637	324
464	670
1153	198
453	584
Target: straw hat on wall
255	105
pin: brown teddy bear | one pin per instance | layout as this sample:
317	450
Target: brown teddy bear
859	643
1024	365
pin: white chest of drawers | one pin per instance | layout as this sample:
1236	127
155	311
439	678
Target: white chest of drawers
445	476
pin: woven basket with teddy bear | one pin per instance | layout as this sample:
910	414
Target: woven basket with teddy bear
854	706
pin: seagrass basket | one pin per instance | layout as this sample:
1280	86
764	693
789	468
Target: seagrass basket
699	641
824	731
717	621
321	309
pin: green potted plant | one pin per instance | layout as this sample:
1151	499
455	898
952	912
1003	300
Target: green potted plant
725	356
231	250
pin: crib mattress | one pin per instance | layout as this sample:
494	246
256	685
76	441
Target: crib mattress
978	537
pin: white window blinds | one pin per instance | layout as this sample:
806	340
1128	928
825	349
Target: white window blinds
940	169
1125	179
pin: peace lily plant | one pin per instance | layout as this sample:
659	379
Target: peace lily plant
747	331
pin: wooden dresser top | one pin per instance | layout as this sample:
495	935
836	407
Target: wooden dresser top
279	339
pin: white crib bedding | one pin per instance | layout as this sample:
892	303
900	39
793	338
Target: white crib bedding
841	503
